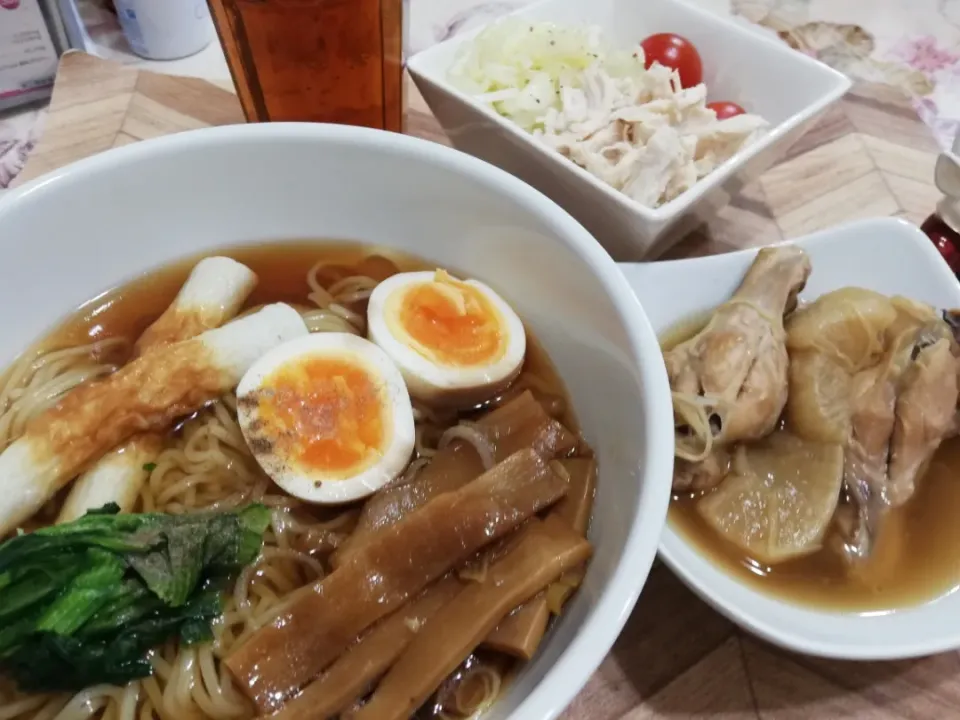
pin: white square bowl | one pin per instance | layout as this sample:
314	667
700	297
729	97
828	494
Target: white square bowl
787	88
886	255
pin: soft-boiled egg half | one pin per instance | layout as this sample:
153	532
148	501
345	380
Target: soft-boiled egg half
327	416
455	341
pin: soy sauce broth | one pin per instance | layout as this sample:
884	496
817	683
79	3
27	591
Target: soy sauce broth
127	310
916	558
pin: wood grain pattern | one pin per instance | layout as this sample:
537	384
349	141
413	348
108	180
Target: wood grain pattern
676	657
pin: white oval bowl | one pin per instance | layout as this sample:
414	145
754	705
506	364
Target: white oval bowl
101	222
889	256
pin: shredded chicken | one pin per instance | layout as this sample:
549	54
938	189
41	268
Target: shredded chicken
645	136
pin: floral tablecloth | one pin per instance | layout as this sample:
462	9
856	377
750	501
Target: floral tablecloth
911	44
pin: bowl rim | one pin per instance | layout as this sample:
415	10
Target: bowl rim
676	549
593	640
422	71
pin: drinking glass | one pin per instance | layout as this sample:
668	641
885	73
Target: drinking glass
336	61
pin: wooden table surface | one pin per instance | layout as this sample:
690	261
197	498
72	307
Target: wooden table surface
871	156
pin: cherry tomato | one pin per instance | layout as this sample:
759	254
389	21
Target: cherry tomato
725	109
674	52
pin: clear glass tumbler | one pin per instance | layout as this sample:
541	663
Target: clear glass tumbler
337	61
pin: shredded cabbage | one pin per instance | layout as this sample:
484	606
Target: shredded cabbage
522	68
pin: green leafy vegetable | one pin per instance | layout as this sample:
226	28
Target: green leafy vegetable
84	603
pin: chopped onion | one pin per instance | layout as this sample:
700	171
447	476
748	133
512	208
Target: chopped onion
522	68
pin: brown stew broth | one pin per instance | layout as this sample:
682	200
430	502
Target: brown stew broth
915	560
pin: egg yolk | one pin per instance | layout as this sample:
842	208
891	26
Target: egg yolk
325	413
451	323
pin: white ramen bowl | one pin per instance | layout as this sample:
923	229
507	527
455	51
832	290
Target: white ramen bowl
789	89
889	256
101	222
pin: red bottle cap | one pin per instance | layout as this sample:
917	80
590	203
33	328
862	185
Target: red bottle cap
943	233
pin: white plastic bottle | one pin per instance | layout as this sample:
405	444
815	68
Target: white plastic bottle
165	29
